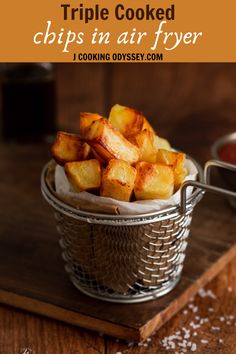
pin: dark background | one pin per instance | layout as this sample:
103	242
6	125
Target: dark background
185	102
190	104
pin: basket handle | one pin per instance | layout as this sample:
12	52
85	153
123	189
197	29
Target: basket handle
206	186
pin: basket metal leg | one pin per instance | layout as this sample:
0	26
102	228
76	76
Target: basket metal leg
207	186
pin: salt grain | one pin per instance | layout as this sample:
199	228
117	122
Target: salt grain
194	347
221	341
215	328
194	325
130	344
206	293
204	320
210	309
230	289
222	319
204	341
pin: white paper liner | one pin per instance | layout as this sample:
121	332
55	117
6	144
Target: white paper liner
65	190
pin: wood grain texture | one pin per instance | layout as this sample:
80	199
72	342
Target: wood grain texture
20	330
80	88
220	341
32	268
179	99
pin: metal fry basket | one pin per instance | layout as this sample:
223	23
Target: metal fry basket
128	259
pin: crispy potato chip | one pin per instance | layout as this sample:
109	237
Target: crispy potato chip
108	143
118	180
128	121
177	161
84	175
153	181
86	119
145	141
69	147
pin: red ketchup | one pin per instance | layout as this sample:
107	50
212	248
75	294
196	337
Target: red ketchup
227	152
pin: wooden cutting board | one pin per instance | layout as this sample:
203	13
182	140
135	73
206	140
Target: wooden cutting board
32	275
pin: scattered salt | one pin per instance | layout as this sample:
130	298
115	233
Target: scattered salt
222	319
185	312
204	320
215	328
194	347
194	325
230	289
204	341
206	293
130	344
210	309
221	341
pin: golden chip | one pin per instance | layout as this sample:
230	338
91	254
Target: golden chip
118	180
154	181
177	161
108	143
84	175
86	119
69	147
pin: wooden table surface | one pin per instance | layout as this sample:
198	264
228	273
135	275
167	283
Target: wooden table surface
22	332
207	324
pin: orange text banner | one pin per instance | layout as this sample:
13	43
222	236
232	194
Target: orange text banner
117	31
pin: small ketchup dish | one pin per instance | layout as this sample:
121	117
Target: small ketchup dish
224	149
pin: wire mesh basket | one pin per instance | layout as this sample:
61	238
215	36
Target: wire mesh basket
126	259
